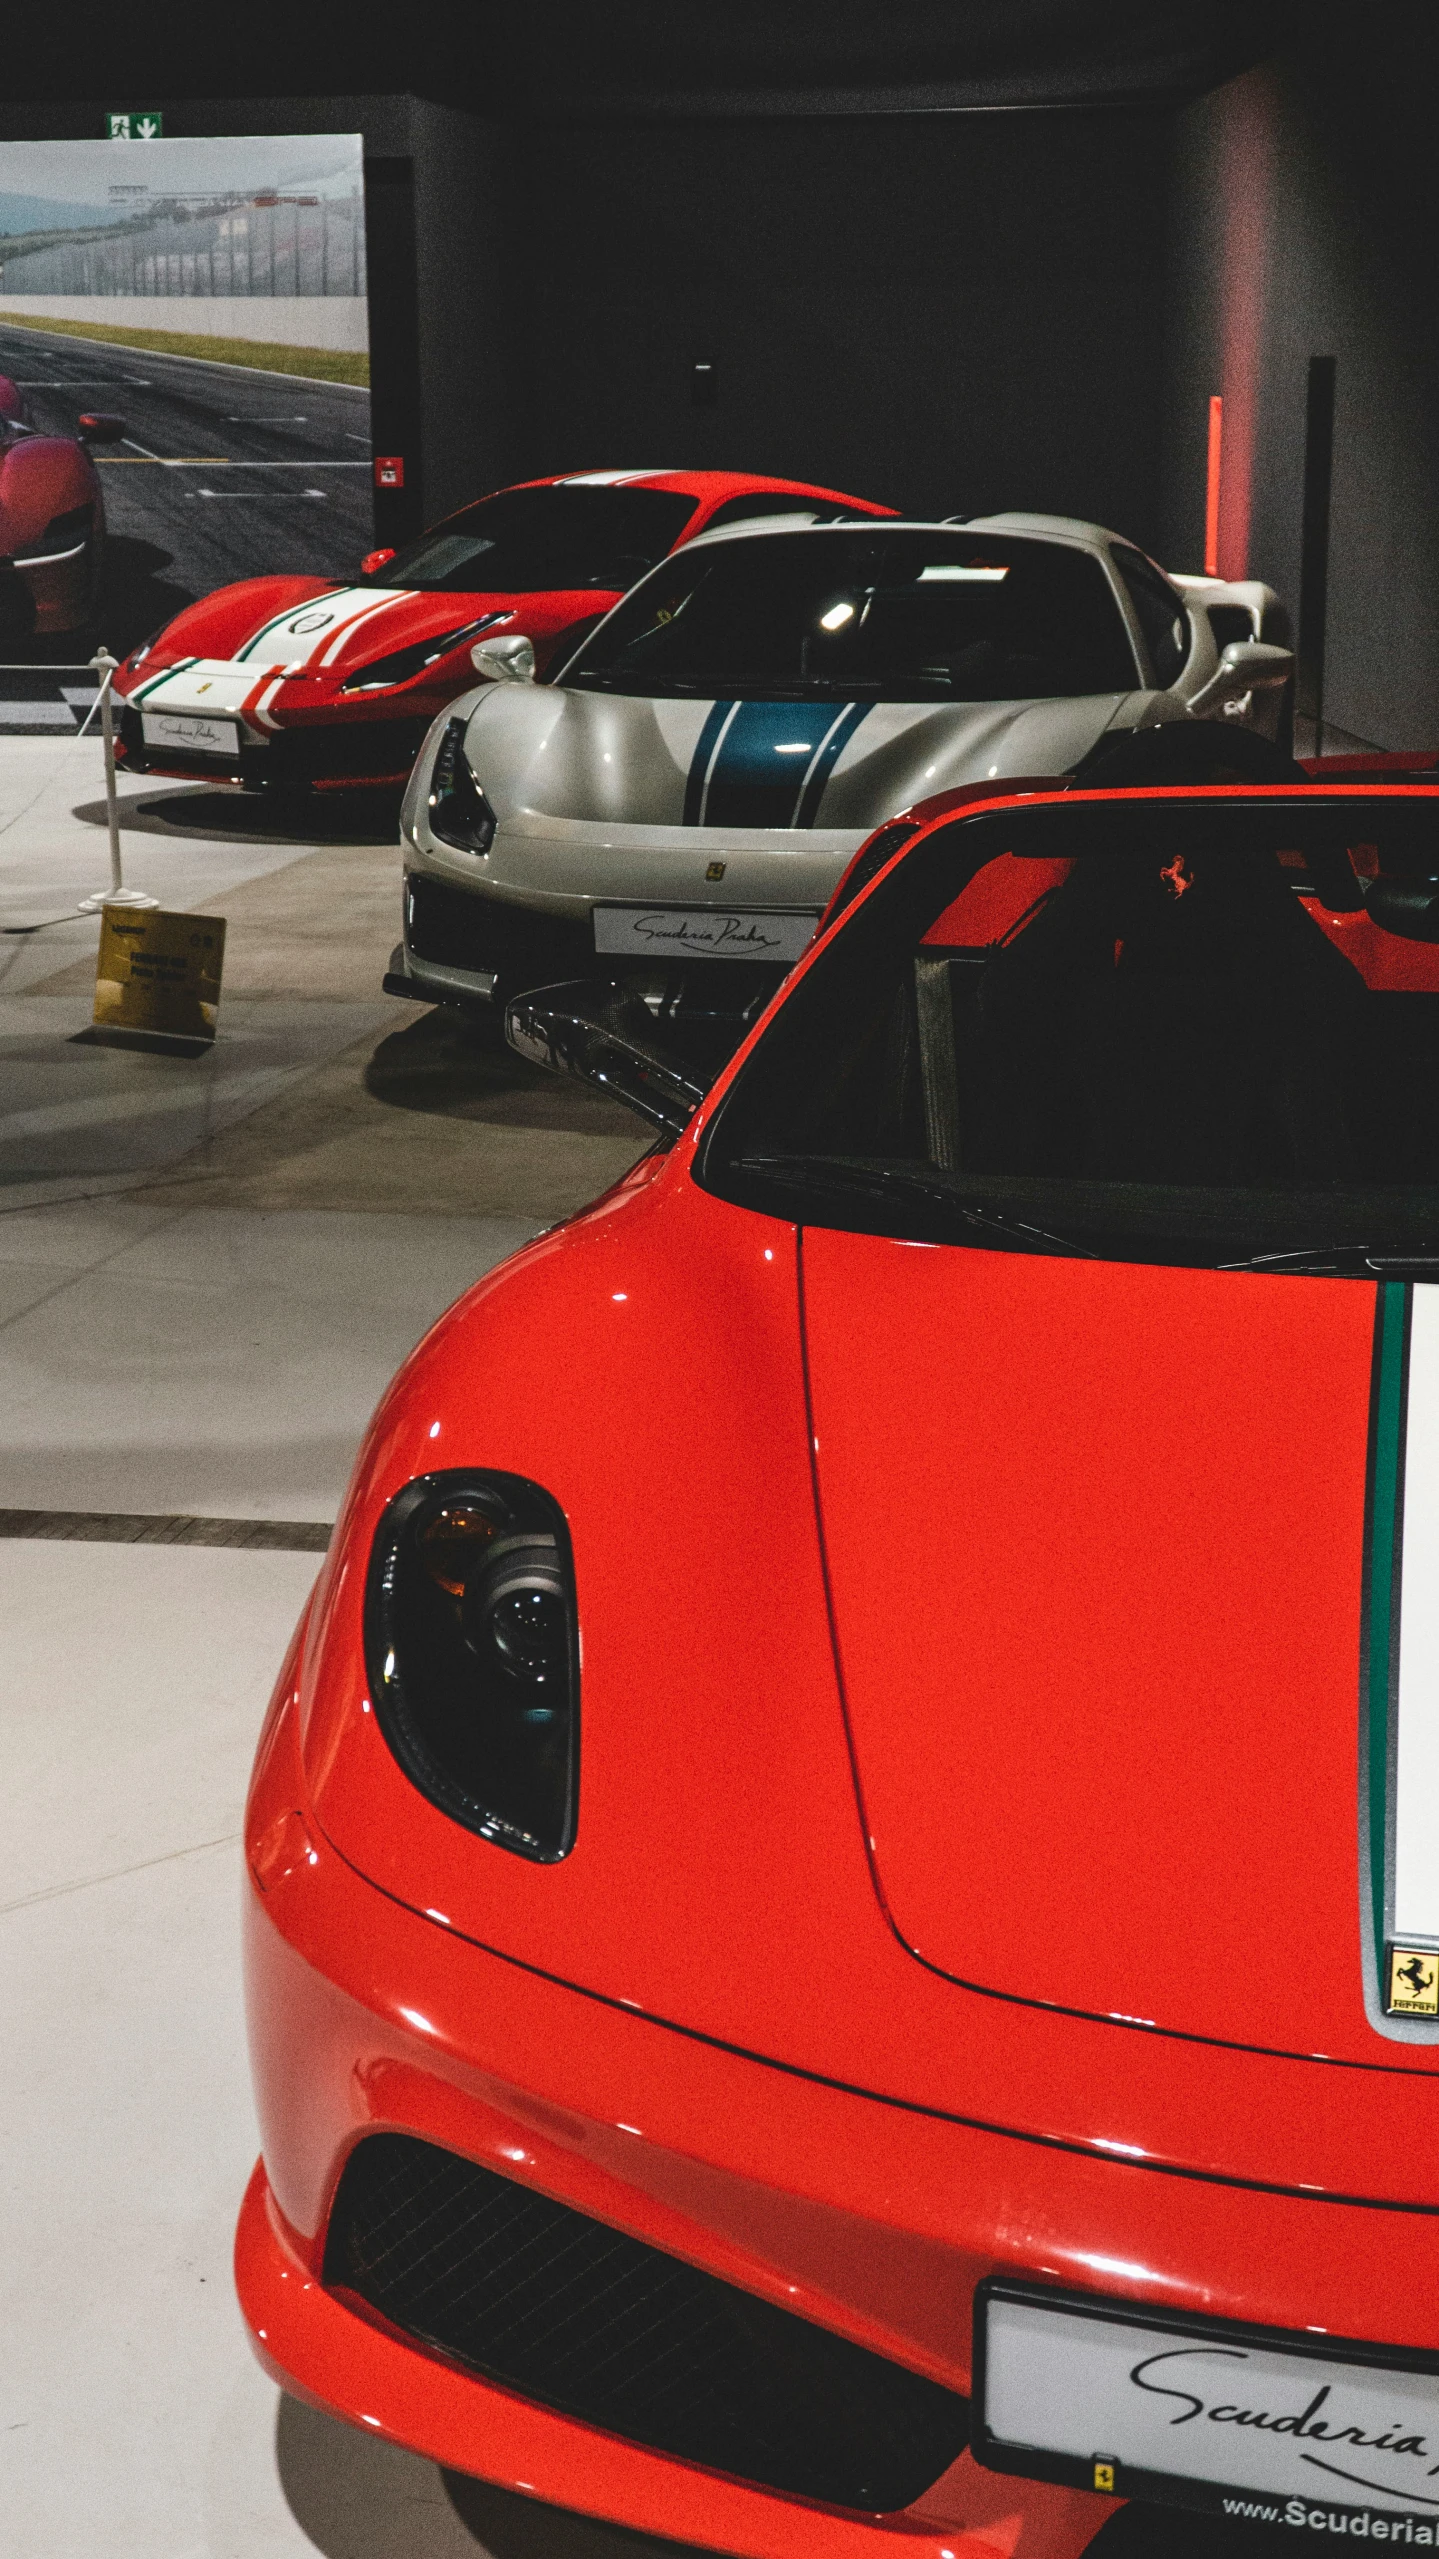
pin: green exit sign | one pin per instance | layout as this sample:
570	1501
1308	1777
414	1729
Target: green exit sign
146	125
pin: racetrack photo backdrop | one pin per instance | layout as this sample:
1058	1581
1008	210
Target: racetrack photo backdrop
202	303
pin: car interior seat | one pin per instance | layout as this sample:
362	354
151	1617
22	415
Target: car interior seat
1166	1018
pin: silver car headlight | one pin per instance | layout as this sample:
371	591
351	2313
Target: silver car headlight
459	813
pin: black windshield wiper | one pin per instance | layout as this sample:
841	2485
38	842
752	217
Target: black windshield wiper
1341	1261
827	1173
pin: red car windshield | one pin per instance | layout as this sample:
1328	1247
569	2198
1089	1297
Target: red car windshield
1120	1030
851	614
532	541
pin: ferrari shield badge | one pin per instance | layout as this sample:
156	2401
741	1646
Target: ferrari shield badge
1413	1983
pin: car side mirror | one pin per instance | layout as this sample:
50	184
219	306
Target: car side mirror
97	426
1407	907
601	1034
507	661
1245	666
375	560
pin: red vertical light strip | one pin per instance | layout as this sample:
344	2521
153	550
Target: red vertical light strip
1211	487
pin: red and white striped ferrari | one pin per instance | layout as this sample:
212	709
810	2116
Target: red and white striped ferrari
296	683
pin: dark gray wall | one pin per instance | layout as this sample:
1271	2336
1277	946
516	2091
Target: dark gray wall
954	311
950	312
1304	211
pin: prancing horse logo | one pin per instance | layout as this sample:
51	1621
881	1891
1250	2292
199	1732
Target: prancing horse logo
1413	1983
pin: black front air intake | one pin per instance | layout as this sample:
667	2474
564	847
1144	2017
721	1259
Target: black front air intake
521	948
566	2311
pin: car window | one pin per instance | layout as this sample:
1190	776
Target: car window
1159	610
849	613
527	541
1152	1031
1230	622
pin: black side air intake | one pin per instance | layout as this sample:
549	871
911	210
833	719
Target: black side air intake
566	2311
866	865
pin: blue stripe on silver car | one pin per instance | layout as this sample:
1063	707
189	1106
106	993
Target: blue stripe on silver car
766	763
702	760
830	750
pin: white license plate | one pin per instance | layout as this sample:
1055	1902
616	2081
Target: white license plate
1232	2420
191	731
700	933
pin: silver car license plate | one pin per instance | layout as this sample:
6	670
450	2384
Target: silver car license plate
701	933
192	732
1253	2424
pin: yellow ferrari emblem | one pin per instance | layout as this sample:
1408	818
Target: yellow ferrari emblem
1413	1983
715	871
1104	2477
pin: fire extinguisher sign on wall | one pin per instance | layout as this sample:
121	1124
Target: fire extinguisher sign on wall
389	470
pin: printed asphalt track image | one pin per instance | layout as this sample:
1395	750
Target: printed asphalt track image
224	473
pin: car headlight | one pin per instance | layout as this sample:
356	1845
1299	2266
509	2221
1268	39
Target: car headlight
459	812
403	664
138	656
64	538
472	1648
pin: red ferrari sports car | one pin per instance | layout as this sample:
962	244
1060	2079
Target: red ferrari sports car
52	523
288	683
843	1933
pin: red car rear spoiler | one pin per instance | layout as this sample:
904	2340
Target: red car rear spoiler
1413	764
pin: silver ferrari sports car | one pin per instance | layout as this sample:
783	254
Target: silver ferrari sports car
685	790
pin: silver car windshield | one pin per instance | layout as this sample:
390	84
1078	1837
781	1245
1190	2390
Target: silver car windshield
848	614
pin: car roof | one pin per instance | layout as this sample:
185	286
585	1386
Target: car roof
1049	528
704	484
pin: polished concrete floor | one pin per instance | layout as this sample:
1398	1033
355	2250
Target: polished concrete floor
208	1270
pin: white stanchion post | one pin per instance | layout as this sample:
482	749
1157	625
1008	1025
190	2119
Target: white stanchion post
117	894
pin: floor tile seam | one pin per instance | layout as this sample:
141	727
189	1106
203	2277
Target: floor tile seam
43	785
82	1116
118	1874
20	1525
74	1278
153	1176
72	1190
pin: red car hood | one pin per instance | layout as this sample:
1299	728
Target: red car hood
647	1366
1095	1545
323	632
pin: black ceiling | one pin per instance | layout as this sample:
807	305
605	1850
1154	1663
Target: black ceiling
660	57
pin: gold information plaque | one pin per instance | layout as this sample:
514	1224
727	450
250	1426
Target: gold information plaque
159	972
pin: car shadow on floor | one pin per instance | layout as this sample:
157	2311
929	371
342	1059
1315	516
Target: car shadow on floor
357	2498
458	1065
252	817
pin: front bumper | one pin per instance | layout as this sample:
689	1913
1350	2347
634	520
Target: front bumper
59	595
365	2018
461	947
339	755
871	2220
318	2348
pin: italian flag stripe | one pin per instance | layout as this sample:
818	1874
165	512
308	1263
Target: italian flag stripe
1401	1700
1414	1752
1388	1417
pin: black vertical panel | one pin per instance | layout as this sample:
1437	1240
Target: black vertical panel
394	343
1314	543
